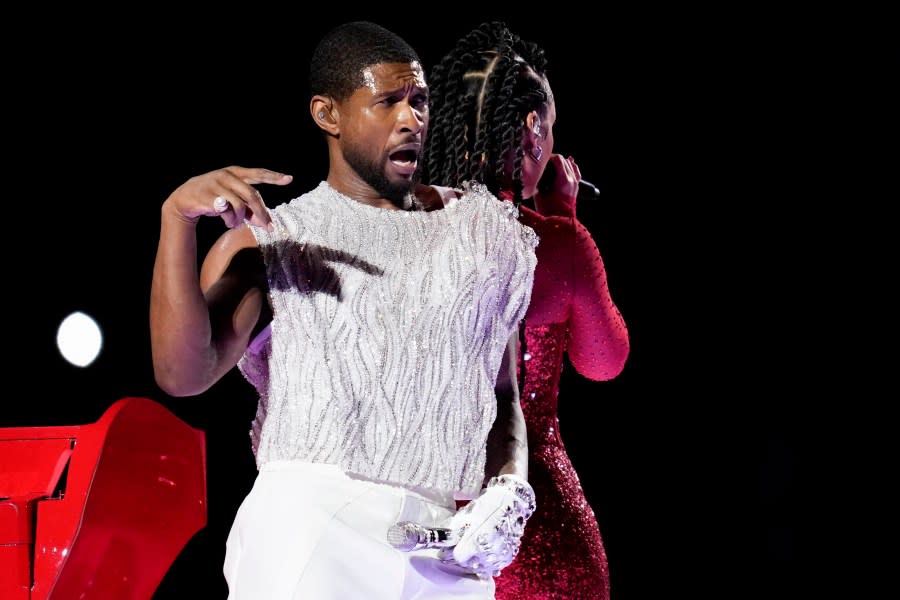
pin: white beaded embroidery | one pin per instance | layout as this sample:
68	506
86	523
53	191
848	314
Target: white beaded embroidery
389	327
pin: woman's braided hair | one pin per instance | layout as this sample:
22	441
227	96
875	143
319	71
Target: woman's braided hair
480	93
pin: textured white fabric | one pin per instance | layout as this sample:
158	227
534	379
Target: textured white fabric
489	528
388	332
308	531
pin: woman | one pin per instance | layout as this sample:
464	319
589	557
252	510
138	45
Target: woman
492	121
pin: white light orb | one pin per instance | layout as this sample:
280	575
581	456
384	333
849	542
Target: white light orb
79	339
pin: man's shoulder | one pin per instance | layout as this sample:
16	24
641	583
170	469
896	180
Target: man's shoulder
499	214
310	202
435	197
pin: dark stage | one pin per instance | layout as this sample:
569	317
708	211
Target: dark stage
650	105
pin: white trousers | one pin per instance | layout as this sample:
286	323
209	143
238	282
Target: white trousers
309	531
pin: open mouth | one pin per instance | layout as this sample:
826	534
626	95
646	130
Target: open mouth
404	160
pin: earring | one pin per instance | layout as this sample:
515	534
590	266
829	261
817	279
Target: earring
321	114
537	152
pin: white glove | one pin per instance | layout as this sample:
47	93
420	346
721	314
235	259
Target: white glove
489	529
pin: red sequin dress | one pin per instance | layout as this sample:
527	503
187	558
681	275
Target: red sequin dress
571	312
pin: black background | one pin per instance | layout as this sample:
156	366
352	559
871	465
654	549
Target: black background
689	475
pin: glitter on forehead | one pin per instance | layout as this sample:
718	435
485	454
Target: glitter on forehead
369	80
417	72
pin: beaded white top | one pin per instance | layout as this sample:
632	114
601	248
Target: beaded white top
388	331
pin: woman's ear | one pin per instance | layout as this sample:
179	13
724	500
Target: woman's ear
533	123
535	137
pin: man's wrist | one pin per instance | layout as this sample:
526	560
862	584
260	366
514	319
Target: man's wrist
520	487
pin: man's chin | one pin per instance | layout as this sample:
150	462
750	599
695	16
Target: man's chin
398	189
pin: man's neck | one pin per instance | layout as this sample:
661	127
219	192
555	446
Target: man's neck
364	194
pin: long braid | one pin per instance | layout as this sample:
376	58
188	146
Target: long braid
448	135
480	93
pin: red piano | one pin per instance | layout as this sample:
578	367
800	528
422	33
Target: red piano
99	511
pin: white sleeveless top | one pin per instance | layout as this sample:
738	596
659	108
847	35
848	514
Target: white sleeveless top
388	331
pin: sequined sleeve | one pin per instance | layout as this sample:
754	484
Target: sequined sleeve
598	343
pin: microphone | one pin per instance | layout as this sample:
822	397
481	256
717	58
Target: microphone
408	536
588	189
585	188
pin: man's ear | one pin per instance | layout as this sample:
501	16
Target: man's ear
320	107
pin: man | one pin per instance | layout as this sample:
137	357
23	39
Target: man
377	320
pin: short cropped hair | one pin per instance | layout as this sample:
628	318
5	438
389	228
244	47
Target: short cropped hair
338	62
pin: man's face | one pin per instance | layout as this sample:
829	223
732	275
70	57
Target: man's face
383	127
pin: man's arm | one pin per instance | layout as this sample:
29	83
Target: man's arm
507	443
490	527
198	331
